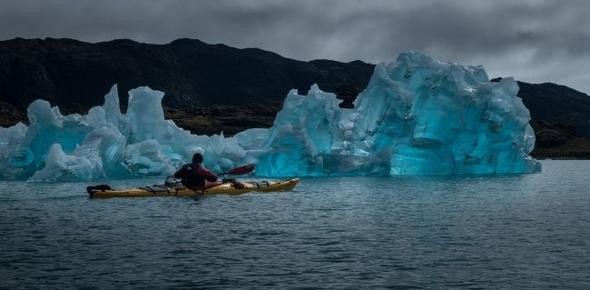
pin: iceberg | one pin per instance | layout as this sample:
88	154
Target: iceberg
107	144
418	116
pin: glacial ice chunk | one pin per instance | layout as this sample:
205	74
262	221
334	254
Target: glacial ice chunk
60	166
105	143
417	116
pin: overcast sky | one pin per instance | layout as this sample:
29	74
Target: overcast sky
532	40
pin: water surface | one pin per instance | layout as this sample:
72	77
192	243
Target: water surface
522	231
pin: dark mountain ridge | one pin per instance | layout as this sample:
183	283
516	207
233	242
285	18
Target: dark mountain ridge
76	75
213	88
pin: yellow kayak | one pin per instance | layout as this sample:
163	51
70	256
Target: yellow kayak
104	191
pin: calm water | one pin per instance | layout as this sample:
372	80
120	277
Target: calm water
520	232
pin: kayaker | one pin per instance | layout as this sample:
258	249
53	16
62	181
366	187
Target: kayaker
195	176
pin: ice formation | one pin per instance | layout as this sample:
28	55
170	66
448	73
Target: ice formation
108	144
417	116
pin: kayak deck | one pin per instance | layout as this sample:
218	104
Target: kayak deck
225	188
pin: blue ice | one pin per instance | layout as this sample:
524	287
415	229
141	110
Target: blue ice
418	116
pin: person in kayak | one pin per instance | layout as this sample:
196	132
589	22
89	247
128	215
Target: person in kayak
196	176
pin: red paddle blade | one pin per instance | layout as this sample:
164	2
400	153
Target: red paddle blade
242	170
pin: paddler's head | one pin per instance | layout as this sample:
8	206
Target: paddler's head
197	158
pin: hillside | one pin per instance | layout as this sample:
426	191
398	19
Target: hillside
214	88
76	75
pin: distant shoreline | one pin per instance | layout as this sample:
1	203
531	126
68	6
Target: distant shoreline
562	158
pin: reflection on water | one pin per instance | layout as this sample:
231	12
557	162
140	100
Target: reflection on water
525	231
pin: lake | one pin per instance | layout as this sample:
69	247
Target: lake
516	231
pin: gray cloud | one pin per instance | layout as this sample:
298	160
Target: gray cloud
532	40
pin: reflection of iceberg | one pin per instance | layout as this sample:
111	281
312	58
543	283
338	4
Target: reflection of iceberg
417	116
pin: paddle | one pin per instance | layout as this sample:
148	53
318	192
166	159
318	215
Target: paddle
236	171
240	170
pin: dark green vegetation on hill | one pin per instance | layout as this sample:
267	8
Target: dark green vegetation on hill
213	88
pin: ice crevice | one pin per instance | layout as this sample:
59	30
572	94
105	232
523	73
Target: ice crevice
417	116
